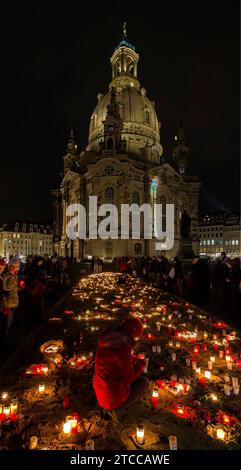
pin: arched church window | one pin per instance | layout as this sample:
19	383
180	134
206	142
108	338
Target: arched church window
147	116
136	198
138	248
110	144
109	194
109	170
163	202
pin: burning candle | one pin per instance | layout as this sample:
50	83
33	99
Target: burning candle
180	409
198	370
210	365
220	433
227	358
229	365
213	397
158	325
33	442
4	396
236	390
221	353
235	381
170	344
41	389
212	358
154	399
14	406
227	390
178	344
6	410
140	434
67	428
207	374
205	335
173	442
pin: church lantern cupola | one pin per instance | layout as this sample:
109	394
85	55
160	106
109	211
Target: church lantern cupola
124	63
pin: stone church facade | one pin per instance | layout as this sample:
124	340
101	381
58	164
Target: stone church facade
123	163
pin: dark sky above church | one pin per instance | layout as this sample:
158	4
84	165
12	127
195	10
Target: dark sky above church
55	59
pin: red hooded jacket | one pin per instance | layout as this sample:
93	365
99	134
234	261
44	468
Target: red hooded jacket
115	369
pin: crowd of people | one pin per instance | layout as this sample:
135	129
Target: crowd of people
206	284
28	286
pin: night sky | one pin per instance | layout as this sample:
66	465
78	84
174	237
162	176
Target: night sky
54	61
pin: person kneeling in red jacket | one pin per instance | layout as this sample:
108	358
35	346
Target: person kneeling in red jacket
117	382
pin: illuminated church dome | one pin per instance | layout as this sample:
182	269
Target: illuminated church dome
140	126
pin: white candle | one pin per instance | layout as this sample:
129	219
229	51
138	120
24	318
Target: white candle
210	365
140	434
227	389
229	365
67	428
212	358
14	406
174	356
178	344
220	433
6	410
154	348
41	389
236	390
221	354
207	374
158	349
227	358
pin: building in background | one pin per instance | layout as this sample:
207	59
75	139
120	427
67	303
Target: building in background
123	163
219	232
25	238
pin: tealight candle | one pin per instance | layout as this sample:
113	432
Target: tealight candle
205	335
229	365
178	344
207	374
220	433
227	358
170	344
4	396
140	434
41	389
212	358
221	353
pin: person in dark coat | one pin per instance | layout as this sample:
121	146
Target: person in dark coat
117	382
200	281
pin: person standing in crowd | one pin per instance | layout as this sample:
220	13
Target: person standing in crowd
100	265
10	293
2	269
117	382
200	281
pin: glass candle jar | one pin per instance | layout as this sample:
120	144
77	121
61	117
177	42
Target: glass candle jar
140	434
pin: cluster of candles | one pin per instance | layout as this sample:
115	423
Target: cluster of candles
8	408
70	426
